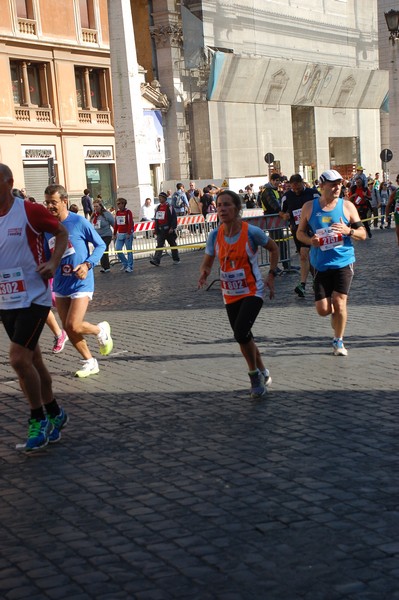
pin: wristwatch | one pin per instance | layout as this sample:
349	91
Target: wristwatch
89	265
273	272
352	231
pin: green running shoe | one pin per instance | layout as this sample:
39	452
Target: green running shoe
58	423
38	434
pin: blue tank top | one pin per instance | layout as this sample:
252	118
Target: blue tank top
338	256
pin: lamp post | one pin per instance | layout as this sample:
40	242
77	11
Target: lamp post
392	19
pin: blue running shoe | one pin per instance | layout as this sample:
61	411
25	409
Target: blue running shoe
258	388
58	423
38	434
339	348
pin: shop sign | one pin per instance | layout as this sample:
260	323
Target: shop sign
104	153
37	152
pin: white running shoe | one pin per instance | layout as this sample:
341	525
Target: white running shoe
104	338
89	367
266	377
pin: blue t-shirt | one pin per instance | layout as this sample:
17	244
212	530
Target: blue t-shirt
256	238
81	232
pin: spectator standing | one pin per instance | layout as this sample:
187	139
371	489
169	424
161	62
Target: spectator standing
206	199
165	230
123	234
147	210
383	202
374	201
359	173
180	201
270	196
249	197
102	221
195	203
147	214
271	204
394	203
87	204
191	190
259	196
211	204
360	196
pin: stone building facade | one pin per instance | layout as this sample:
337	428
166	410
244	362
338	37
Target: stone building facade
248	77
389	61
56	99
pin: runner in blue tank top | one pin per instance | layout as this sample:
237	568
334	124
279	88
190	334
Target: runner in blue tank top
334	222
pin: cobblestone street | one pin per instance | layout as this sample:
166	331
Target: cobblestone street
170	482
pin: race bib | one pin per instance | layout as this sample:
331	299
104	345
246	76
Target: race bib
329	238
12	285
120	220
97	224
159	215
297	215
68	251
234	283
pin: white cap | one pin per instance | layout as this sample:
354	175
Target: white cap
330	175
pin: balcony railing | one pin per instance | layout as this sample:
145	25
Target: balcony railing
93	117
27	26
89	36
33	114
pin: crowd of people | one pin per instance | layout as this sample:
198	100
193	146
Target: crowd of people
51	243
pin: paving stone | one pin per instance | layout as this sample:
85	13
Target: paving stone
169	482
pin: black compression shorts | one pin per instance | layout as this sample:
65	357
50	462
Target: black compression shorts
24	325
242	315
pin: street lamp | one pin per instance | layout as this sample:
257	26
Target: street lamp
392	19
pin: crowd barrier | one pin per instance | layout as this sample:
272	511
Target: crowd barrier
193	231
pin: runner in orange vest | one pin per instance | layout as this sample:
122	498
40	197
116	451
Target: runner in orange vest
236	244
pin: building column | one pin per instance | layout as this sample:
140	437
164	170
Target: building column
133	171
167	32
25	84
88	104
45	101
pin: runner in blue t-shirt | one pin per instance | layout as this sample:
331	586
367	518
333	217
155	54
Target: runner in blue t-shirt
74	280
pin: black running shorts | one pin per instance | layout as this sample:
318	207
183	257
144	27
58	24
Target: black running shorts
24	325
332	280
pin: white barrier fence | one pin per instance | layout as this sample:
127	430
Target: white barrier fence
193	231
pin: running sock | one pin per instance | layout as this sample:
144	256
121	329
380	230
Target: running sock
37	413
303	284
52	408
253	372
